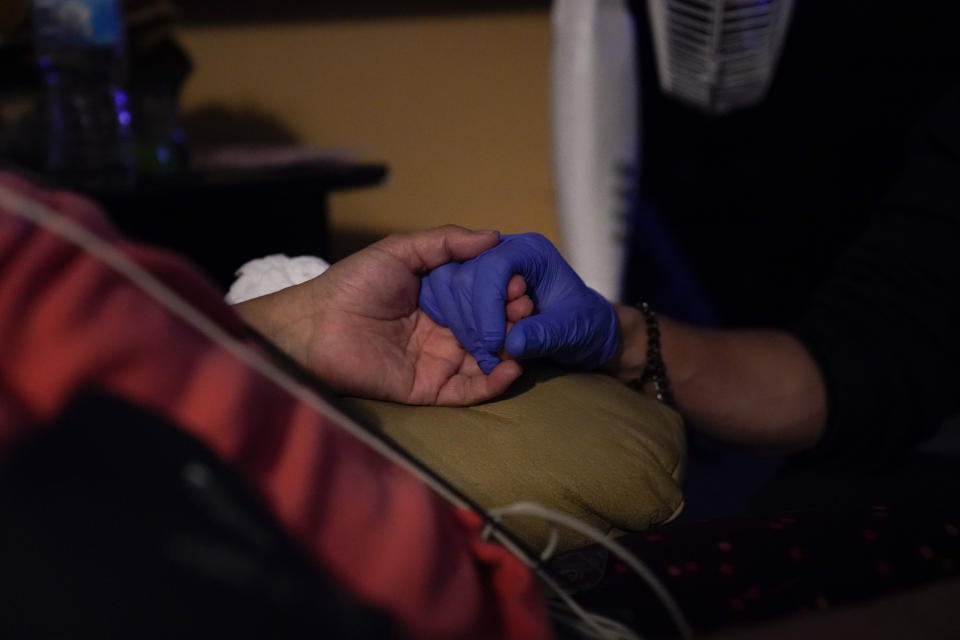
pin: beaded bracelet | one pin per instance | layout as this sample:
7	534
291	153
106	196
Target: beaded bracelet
655	370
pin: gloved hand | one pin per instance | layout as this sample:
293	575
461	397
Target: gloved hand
572	324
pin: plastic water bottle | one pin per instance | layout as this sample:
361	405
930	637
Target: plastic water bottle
80	54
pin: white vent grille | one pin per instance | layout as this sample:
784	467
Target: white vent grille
718	55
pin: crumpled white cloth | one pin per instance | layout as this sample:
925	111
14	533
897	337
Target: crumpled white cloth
273	273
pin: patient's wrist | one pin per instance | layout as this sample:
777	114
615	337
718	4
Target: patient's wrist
282	319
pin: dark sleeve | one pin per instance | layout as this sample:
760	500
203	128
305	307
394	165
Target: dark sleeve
885	329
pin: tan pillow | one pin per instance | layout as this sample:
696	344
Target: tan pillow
580	443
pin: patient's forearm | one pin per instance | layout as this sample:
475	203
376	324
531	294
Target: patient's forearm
753	387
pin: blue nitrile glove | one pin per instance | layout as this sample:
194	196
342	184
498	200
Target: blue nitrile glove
572	324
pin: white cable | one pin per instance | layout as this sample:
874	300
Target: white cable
611	628
533	509
74	233
603	628
551	545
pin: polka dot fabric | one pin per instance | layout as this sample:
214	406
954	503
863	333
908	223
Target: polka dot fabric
749	569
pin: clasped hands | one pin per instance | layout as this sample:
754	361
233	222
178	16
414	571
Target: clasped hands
423	318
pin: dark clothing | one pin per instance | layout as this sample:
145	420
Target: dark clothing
762	202
783	211
119	524
885	331
885	328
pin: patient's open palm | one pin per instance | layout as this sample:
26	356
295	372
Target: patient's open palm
358	326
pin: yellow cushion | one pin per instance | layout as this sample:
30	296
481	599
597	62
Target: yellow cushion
580	443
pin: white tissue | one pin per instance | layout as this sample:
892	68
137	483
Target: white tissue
273	273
